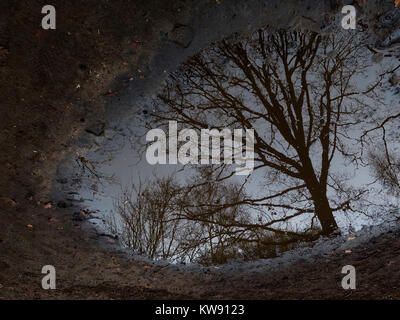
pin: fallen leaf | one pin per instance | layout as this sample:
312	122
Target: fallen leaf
352	238
347	251
146	267
8	201
29	226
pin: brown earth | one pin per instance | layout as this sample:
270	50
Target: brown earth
53	83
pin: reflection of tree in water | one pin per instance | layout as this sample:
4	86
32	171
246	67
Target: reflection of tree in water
296	90
91	161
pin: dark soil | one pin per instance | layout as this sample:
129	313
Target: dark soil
55	84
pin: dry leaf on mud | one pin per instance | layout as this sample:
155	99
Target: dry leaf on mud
48	205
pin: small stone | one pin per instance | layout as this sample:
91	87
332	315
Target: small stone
96	129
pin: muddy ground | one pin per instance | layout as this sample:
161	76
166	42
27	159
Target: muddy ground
56	83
